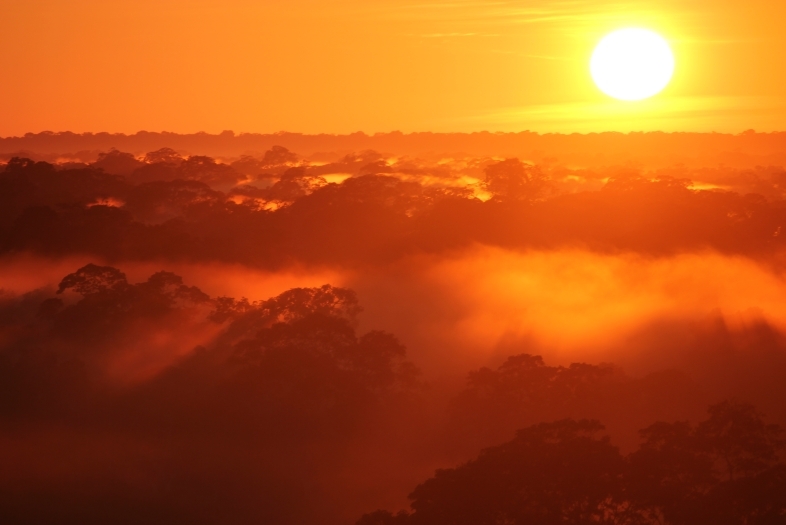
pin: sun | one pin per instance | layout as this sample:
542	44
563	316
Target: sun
632	64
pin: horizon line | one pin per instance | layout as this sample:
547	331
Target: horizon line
233	134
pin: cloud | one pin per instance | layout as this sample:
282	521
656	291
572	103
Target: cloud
570	15
662	113
454	35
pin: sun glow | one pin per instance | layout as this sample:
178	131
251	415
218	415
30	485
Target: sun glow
632	64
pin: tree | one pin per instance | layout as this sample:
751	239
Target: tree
117	162
723	471
717	472
165	156
669	475
278	155
207	170
524	390
551	473
738	440
294	184
513	180
94	280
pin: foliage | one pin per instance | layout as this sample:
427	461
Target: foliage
724	470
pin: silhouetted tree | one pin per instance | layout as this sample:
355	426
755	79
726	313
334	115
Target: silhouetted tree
524	390
94	280
117	162
207	170
294	184
739	441
708	473
164	155
514	180
551	473
159	201
278	155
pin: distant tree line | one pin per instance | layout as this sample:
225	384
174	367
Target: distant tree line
272	211
597	148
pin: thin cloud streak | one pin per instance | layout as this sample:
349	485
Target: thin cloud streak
696	112
510	13
455	35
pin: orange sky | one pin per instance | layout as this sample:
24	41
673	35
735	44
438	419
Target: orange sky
339	66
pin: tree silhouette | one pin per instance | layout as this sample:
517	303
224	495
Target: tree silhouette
94	280
708	473
278	155
207	170
724	470
738	439
165	156
551	473
514	180
523	390
117	162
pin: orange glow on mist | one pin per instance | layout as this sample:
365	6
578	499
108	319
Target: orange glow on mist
570	304
570	298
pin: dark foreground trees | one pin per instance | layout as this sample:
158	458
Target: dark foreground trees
725	470
108	414
152	402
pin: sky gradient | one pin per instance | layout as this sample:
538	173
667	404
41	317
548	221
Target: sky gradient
315	66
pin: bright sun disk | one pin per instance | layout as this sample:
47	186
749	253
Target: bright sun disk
632	64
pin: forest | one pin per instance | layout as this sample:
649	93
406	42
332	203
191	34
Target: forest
392	337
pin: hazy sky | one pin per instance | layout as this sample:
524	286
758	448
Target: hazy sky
339	66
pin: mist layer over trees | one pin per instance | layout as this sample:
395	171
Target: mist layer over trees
278	209
392	337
